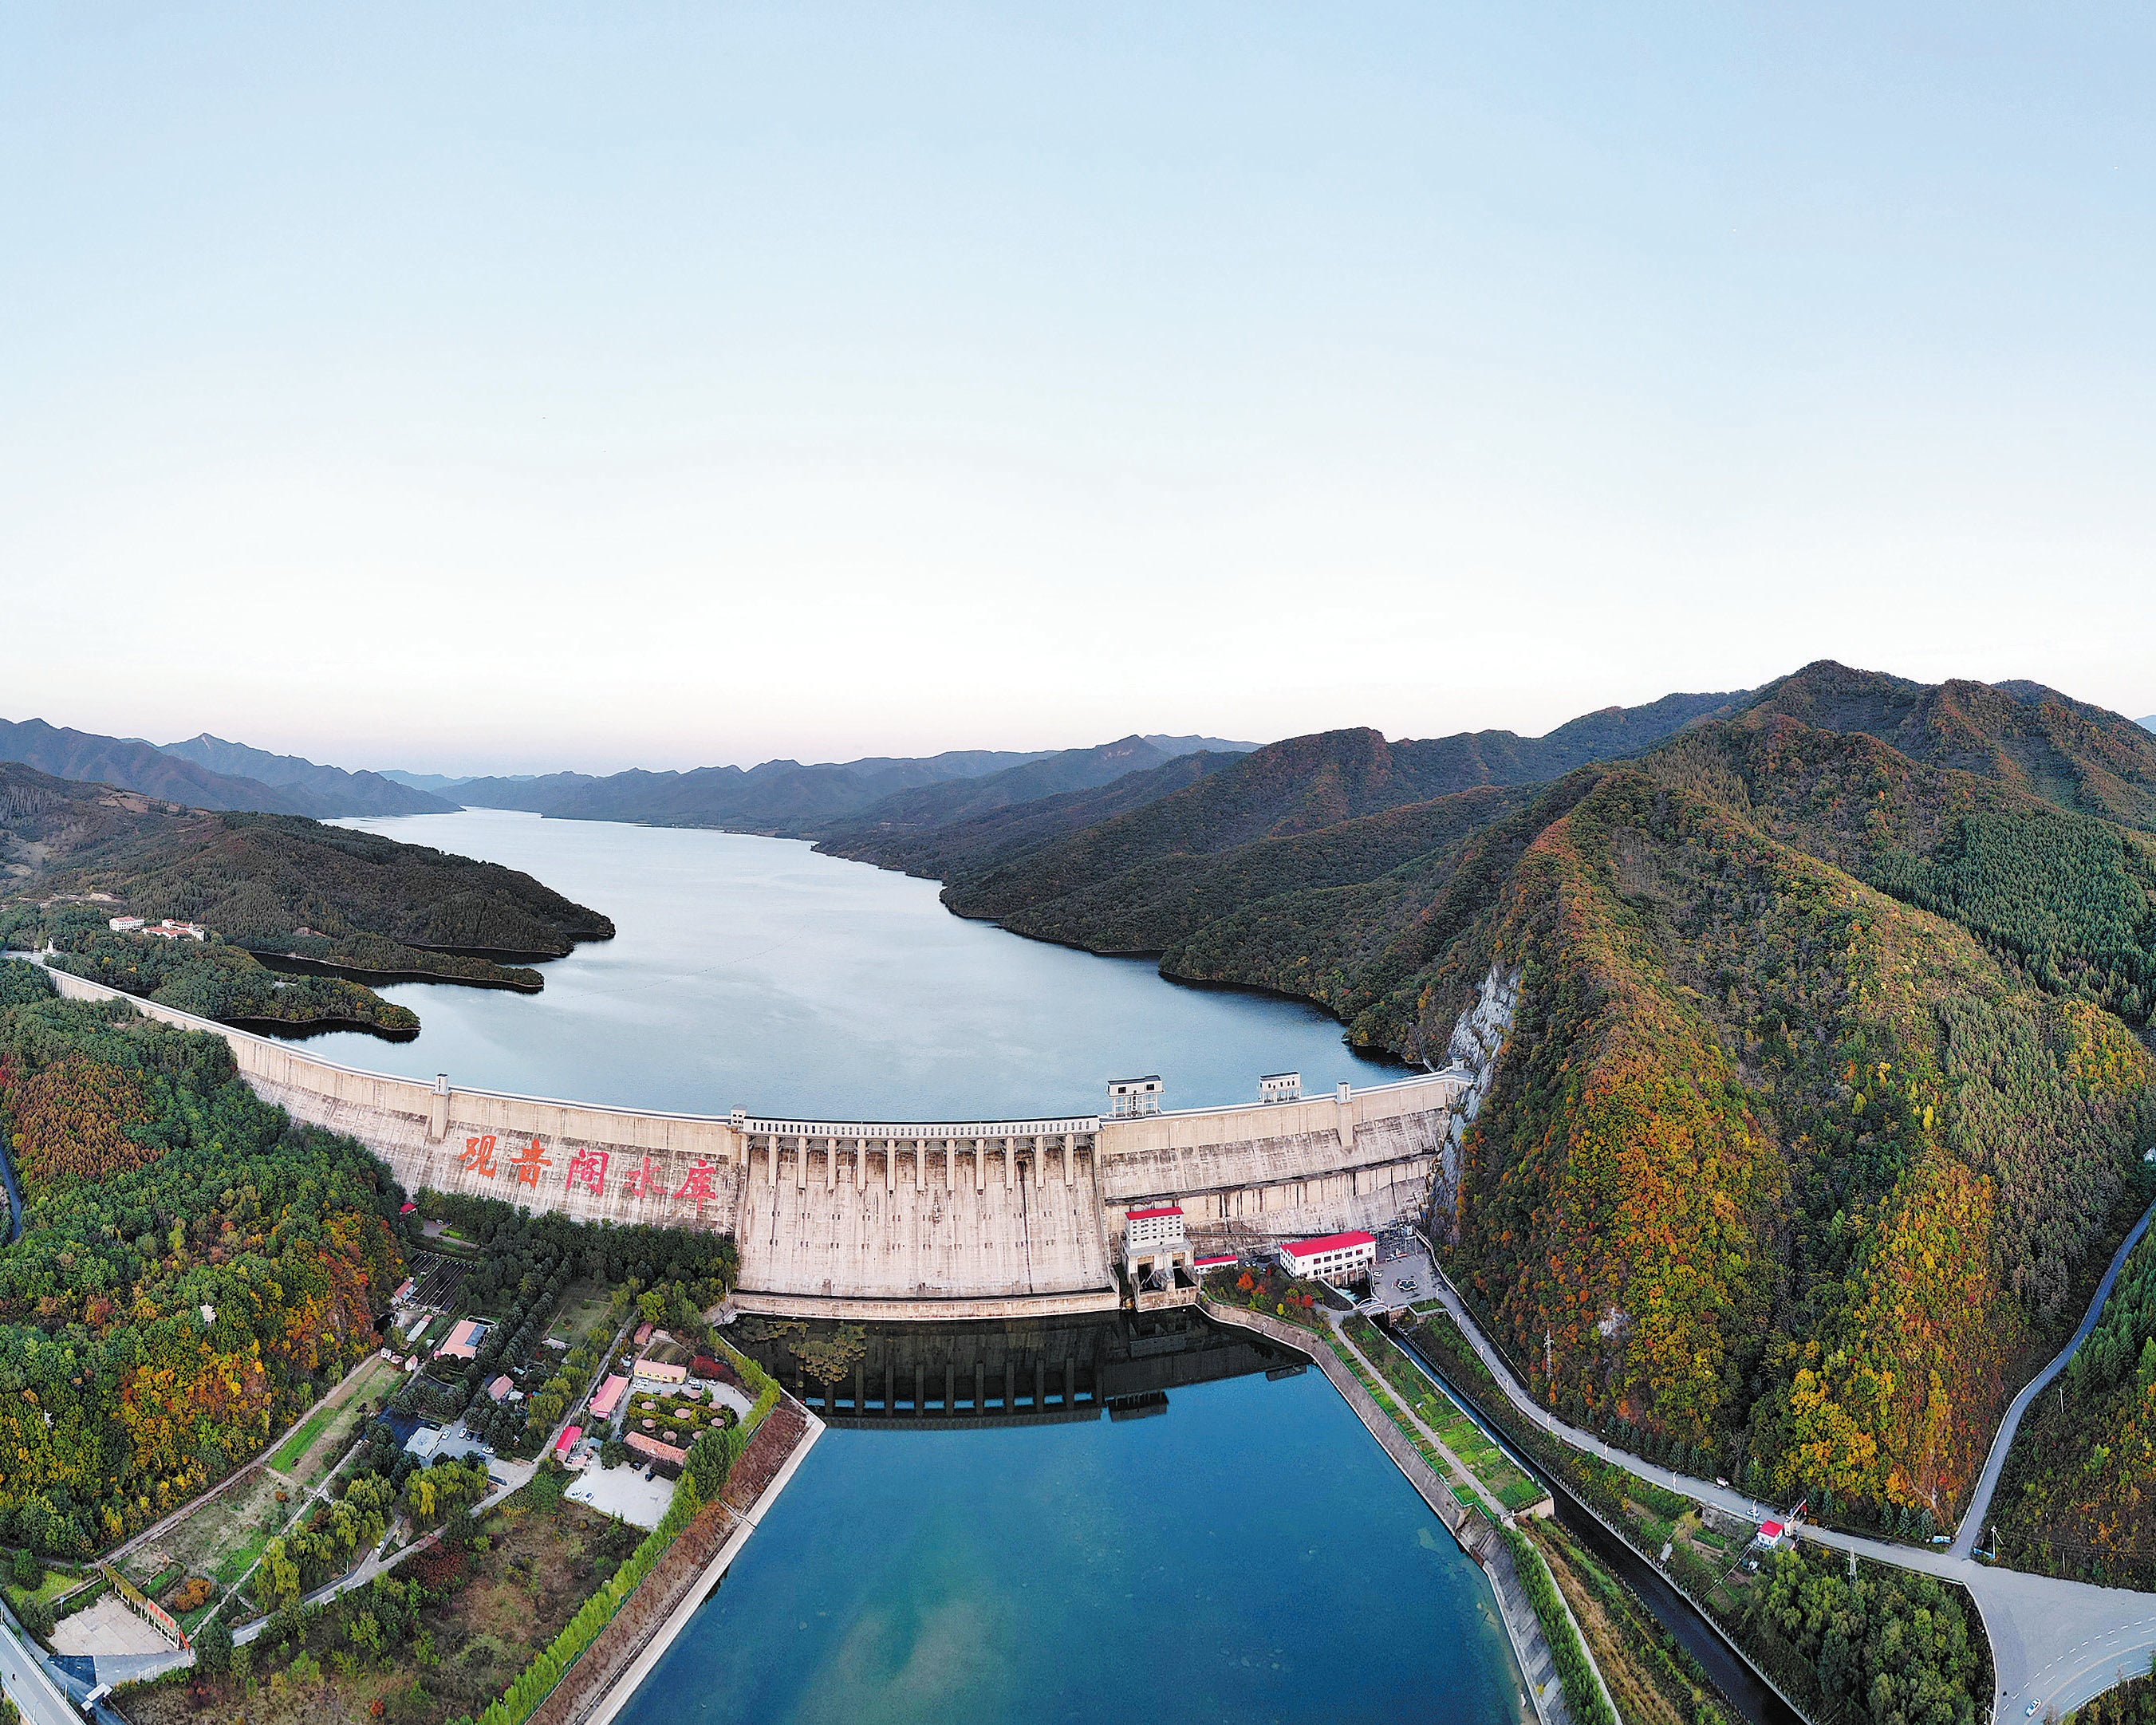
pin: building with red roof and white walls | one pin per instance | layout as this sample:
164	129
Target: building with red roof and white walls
1334	1258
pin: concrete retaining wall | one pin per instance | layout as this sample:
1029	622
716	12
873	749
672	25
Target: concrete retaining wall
962	1218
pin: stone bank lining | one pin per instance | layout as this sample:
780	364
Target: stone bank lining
1522	1627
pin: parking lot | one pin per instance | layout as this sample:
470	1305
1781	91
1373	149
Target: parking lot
1403	1275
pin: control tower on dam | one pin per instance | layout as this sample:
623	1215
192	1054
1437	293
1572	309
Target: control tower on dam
896	1220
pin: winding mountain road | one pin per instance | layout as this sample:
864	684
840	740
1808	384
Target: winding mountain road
1979	1502
2055	1645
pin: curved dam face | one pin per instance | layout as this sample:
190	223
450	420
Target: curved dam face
889	1219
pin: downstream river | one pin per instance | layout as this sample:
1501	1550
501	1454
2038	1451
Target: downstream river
1244	1553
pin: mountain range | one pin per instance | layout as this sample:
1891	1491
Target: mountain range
1825	1099
780	796
1822	1109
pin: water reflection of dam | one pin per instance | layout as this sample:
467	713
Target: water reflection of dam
1011	1371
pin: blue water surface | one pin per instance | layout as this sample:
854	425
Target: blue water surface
1249	1556
754	973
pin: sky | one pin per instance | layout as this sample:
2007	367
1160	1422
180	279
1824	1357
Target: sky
508	388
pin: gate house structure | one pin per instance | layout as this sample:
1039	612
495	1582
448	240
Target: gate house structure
891	1219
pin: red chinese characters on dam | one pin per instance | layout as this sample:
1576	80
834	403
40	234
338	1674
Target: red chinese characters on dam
588	1168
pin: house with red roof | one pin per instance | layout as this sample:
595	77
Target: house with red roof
1334	1258
652	1449
464	1343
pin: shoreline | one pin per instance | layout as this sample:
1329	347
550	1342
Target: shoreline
623	1687
1524	1630
295	964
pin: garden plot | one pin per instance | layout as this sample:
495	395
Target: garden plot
435	1279
219	1541
307	1457
675	1418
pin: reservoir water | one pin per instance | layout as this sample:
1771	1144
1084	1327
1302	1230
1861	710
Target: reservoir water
755	972
1246	1553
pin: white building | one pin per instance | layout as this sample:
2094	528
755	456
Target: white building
1280	1087
169	930
1129	1097
1155	1245
125	924
1337	1258
1156	1225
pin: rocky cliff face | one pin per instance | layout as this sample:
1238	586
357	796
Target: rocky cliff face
1478	1040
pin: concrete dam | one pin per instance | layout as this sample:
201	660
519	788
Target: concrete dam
892	1220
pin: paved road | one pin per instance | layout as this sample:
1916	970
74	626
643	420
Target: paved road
2053	1643
1979	1502
29	1687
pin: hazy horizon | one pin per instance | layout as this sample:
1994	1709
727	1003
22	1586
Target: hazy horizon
352	762
493	392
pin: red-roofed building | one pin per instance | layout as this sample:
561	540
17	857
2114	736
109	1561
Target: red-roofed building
1159	1225
609	1396
653	1450
1218	1261
1155	1246
567	1441
465	1340
1335	1258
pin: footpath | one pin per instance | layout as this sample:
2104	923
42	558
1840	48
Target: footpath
1476	1536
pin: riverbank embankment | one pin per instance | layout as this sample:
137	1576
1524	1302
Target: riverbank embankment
629	1649
1476	1537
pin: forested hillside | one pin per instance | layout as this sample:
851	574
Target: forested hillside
206	771
213	980
855	802
775	797
193	1271
2021	734
938	805
972	845
1826	1099
1298	786
1779	1168
281	884
327	910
